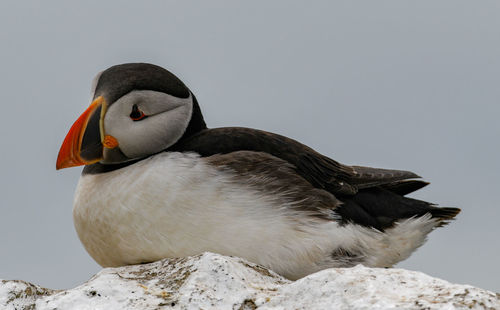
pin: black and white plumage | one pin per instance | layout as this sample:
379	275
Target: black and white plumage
157	183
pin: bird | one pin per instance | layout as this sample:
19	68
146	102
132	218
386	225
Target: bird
158	183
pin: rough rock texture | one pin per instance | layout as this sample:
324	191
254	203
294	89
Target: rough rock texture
212	281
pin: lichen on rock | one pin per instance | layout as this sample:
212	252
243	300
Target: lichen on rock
212	281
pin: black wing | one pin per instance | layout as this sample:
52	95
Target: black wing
376	207
277	179
321	171
370	197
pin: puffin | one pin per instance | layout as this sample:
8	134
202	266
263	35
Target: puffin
158	183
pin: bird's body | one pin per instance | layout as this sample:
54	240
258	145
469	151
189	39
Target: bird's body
178	204
234	191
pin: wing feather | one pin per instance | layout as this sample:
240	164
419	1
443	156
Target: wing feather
319	170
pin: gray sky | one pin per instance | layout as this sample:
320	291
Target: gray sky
395	84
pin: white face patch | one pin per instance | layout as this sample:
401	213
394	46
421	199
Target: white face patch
166	121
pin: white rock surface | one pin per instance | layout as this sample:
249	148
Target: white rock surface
212	281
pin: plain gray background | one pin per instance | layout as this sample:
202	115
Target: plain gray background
396	84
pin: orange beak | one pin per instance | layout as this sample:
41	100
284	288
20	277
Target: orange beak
82	145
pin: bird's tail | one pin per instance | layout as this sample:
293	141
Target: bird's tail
444	215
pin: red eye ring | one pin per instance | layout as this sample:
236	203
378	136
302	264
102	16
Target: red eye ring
136	114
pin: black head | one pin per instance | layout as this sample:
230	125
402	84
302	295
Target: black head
138	109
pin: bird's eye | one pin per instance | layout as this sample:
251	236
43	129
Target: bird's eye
137	114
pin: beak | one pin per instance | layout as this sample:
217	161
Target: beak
83	143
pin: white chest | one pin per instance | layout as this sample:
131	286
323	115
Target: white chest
174	205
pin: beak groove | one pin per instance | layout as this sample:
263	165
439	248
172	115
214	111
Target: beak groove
71	149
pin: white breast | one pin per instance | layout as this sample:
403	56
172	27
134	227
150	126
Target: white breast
175	205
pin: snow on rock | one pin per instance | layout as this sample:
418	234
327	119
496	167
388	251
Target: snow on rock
212	281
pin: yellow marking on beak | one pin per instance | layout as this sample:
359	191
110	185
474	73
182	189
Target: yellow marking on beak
104	108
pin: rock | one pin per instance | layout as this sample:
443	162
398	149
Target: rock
212	281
